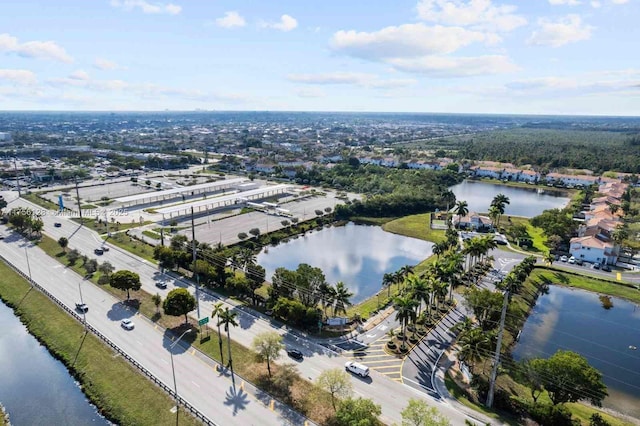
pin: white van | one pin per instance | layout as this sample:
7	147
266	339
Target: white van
356	368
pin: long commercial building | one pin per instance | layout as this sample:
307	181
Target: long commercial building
168	194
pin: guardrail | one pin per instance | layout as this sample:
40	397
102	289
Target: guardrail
194	411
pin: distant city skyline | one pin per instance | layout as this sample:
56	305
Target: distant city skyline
546	57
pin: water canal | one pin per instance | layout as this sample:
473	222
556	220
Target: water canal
355	254
525	202
35	388
603	329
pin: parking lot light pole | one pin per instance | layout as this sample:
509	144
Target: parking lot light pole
173	372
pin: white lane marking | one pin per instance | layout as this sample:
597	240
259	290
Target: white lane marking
139	342
165	361
195	383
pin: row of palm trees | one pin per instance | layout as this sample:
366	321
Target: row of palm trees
496	209
337	296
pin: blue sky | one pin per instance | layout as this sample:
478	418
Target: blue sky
475	56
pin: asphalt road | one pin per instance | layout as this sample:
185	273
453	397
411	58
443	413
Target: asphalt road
391	395
197	381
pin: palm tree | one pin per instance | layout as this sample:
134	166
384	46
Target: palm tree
474	345
246	258
387	281
405	314
327	295
462	208
228	319
342	295
217	311
494	214
403	273
440	248
500	201
449	197
419	291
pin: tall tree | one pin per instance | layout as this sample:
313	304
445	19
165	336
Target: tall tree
568	377
336	382
462	208
268	346
125	280
405	308
63	242
217	312
228	320
358	412
179	302
418	413
341	298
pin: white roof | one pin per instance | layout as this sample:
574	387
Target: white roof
225	198
207	185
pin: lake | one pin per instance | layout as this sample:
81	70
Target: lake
576	320
36	389
355	254
526	202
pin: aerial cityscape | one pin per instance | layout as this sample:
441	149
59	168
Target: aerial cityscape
418	212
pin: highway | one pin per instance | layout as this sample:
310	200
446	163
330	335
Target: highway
105	313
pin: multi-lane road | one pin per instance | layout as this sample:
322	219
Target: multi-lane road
148	345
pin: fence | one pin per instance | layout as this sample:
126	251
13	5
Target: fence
194	411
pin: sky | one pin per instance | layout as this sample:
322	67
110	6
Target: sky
449	56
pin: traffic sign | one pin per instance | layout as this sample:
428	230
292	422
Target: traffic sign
203	321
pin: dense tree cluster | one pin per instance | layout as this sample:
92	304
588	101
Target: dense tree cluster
553	148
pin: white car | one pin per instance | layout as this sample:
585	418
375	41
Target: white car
127	324
572	259
357	368
563	259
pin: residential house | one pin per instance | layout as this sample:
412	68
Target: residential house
572	180
472	221
592	249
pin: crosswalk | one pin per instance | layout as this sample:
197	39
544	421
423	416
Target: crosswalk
375	357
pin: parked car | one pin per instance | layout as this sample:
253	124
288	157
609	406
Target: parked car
105	248
127	324
295	354
57	224
572	260
356	368
579	262
99	251
563	259
606	268
161	284
596	265
268	313
82	307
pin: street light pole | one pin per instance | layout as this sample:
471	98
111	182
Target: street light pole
84	311
26	253
173	372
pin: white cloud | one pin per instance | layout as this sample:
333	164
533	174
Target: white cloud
619	1
310	92
595	4
34	49
564	2
79	75
231	19
569	29
443	66
352	78
146	7
479	14
105	64
408	40
286	23
21	77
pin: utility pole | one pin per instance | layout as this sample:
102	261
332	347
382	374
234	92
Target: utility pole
75	178
496	358
193	239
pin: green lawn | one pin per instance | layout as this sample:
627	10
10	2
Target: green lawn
110	382
132	245
611	288
536	234
416	226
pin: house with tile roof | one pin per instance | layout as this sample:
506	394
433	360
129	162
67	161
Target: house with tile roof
472	221
592	249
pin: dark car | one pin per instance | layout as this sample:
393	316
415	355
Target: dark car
57	224
161	284
98	251
295	354
596	265
579	262
82	307
606	268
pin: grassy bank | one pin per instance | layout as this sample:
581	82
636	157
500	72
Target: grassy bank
610	288
111	383
415	226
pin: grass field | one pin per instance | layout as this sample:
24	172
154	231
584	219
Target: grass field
415	226
110	382
610	288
